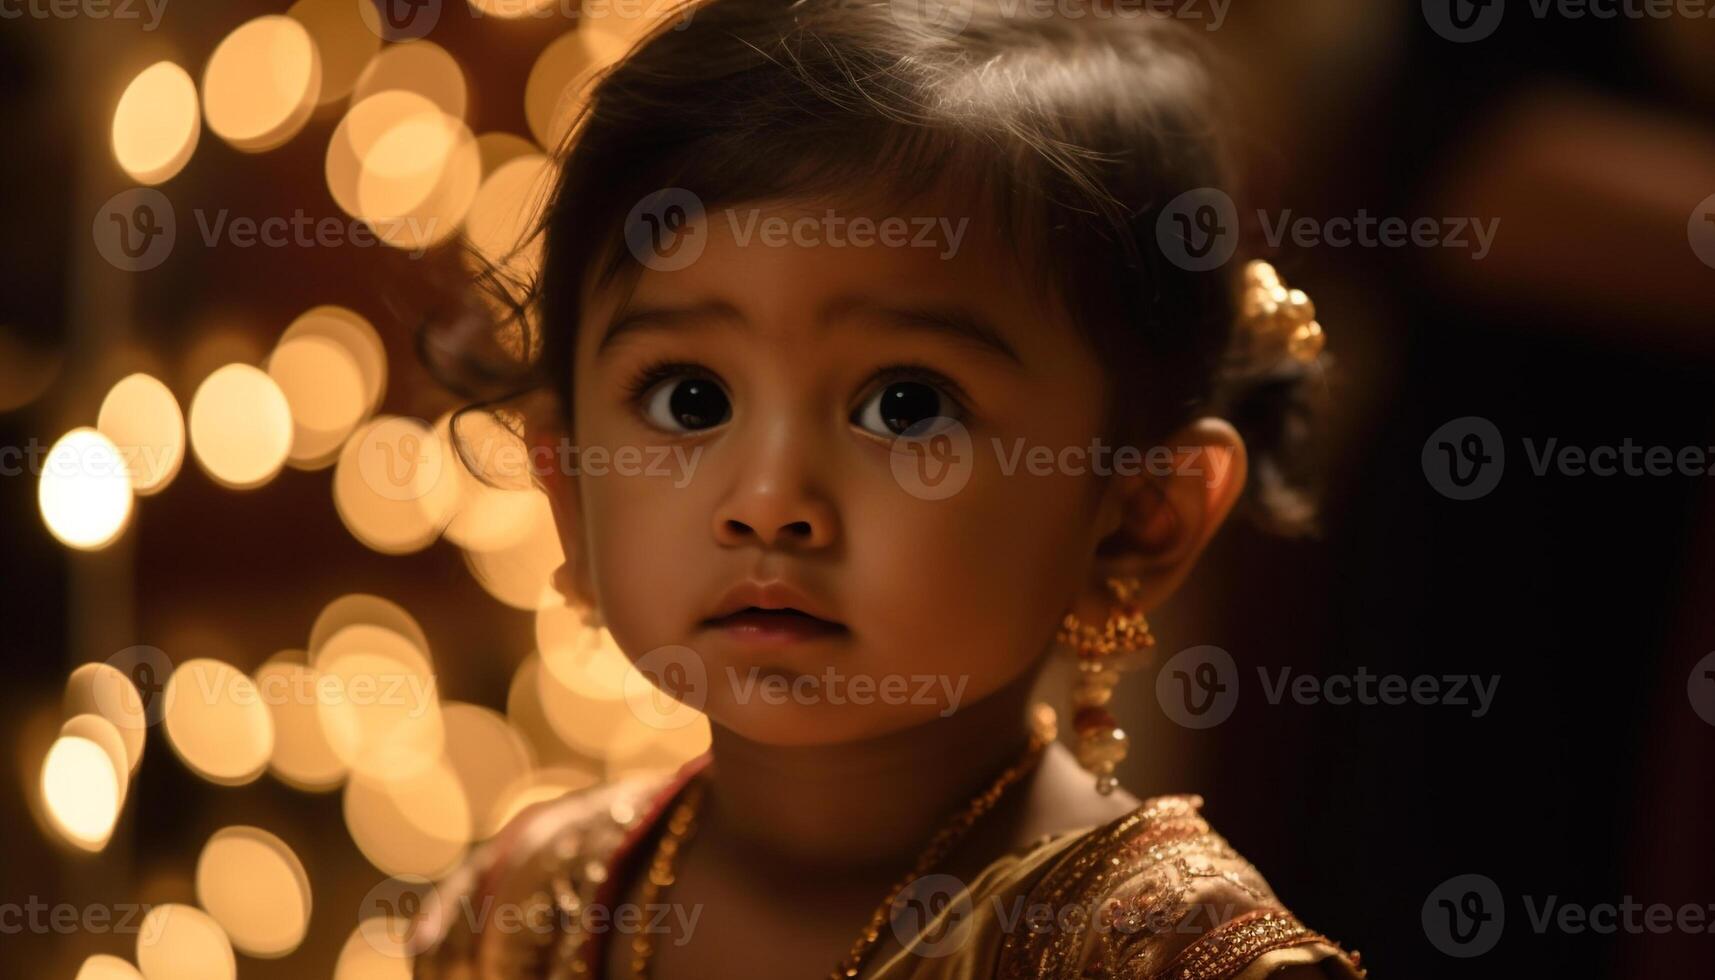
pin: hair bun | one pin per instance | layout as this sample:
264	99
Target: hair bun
1271	392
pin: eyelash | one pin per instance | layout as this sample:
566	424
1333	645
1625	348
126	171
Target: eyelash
924	374
653	373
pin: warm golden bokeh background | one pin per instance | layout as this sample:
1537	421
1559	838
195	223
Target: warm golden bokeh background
309	740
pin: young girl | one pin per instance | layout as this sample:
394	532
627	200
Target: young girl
889	287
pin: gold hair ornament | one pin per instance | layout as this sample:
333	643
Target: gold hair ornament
1277	317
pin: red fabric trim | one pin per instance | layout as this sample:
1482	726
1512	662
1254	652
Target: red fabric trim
594	950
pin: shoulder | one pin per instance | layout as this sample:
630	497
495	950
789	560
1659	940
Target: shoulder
507	911
1159	894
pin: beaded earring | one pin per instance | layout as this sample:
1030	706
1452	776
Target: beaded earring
1102	654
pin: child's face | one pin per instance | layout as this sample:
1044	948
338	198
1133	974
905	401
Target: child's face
775	456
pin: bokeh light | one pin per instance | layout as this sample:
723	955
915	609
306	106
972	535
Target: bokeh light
511	9
325	390
346	35
261	83
302	756
497	148
81	791
104	733
217	723
506	212
379	640
358	338
240	426
496	506
156	123
182	942
639	747
540	785
362	129
104	967
488	757
141	417
398	162
85	492
521	574
422	67
559	81
379	711
375	950
580	656
102	689
255	887
524	709
359	607
412	825
586	714
394	485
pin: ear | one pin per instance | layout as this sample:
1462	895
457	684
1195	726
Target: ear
1156	523
572	579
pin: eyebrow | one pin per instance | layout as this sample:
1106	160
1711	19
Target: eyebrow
635	317
957	324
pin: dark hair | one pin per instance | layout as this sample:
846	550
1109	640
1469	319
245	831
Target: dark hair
1075	131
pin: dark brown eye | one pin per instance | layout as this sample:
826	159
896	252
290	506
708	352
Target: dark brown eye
900	405
686	404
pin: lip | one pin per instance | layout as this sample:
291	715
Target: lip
772	612
776	628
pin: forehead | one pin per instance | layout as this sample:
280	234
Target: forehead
782	262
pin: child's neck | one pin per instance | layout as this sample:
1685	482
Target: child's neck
878	800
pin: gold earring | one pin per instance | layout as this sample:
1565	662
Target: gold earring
1102	653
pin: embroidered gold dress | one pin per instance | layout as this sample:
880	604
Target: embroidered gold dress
1155	894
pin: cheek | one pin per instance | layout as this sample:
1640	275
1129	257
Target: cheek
636	538
634	526
973	585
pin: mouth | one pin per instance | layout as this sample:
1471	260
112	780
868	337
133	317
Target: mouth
754	624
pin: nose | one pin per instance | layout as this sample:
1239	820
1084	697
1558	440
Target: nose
775	502
775	517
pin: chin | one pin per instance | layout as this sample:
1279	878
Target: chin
808	725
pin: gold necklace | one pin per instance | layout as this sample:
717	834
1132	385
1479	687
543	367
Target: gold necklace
683	823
